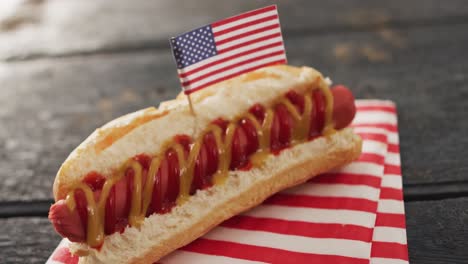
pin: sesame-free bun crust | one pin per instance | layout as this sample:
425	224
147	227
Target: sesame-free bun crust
145	131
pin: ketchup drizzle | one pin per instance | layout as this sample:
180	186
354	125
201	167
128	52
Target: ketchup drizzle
166	185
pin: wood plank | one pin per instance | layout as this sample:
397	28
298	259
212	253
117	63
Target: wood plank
412	193
437	231
27	240
49	106
57	27
436	234
435	190
22	208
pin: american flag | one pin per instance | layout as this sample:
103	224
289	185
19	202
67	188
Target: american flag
229	47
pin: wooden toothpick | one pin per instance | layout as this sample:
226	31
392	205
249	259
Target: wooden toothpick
192	111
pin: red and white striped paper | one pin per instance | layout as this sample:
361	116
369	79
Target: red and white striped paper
352	215
389	245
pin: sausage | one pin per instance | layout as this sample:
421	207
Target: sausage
69	224
344	108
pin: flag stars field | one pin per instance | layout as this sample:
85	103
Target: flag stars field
192	47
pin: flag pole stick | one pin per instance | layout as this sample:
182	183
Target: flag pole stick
192	110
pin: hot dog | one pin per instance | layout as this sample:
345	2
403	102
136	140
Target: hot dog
127	176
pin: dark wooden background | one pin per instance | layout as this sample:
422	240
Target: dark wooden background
67	67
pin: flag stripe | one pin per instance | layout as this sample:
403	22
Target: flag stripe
234	63
237	43
234	70
244	17
247	49
254	30
222	63
240	70
273	38
251	27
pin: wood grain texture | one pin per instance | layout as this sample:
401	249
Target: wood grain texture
97	61
59	27
50	105
437	231
26	240
436	234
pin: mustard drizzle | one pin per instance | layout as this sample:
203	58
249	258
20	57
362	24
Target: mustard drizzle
141	198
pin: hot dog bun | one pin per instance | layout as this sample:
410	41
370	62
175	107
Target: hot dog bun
145	131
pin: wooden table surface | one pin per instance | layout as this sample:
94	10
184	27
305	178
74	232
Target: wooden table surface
67	67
